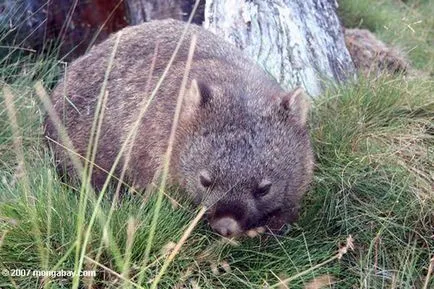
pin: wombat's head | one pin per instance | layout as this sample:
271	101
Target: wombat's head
248	158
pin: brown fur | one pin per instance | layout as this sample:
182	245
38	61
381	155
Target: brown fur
370	55
238	129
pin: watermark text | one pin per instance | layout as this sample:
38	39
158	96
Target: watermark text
46	273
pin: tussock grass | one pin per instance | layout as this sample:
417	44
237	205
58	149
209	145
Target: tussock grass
374	145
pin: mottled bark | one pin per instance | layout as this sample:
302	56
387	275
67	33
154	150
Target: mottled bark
297	42
140	11
77	24
74	24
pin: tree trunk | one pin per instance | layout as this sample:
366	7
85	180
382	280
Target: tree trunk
297	42
146	10
73	24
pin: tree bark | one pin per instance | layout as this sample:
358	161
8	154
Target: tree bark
143	11
73	24
300	43
140	11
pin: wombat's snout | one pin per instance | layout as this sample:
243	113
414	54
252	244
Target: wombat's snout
226	226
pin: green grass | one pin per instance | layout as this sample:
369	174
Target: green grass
373	181
374	145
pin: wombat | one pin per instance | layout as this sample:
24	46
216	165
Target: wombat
241	148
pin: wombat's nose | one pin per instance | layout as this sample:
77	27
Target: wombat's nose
226	227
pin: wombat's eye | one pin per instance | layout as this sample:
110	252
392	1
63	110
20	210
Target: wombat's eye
263	188
205	179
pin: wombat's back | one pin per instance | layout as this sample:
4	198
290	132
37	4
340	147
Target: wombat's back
130	83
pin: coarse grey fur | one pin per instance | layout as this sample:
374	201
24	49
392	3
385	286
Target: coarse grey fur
242	147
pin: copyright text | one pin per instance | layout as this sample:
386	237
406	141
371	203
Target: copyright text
46	273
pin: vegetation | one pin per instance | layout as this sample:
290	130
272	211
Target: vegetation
407	24
374	144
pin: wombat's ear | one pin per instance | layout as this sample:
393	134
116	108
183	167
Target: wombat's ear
297	104
205	178
196	96
263	188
